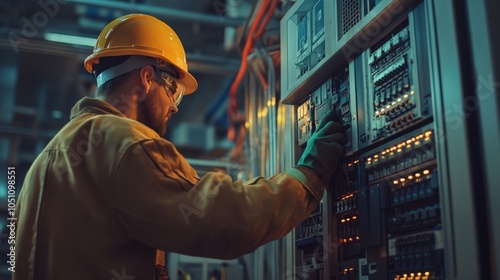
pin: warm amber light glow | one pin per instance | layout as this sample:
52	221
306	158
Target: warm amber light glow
402	179
410	177
417	175
395	182
426	172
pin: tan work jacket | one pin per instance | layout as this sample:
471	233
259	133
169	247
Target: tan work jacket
107	192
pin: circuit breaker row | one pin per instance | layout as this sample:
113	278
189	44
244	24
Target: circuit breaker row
382	212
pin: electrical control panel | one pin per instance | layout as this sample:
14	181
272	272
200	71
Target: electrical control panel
382	214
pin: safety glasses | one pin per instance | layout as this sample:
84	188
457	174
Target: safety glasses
174	87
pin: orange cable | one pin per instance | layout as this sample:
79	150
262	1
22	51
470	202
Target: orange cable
233	105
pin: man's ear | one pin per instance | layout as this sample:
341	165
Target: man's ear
146	75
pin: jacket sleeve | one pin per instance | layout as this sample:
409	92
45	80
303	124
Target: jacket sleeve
161	202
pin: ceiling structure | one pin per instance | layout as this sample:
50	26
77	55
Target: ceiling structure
42	79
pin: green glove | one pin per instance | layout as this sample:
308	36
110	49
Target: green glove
324	148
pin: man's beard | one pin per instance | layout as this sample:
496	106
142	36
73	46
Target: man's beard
151	113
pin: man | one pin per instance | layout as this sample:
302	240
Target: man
108	195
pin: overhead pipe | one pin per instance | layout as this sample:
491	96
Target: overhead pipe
163	12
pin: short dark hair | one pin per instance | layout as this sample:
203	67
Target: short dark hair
104	64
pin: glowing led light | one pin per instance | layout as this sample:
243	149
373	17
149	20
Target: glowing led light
419	274
410	177
388	106
408	146
408	141
428	133
342	221
350	238
402	179
417	175
354	217
393	103
264	111
382	110
399	99
405	275
395	182
384	152
427	273
350	164
357	237
417	143
375	156
352	268
377	113
356	161
412	92
387	150
412	274
348	219
413	139
399	150
426	172
345	240
405	96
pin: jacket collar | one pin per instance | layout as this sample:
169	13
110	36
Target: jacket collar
93	106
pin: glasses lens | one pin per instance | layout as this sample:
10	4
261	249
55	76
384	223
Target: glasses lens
174	87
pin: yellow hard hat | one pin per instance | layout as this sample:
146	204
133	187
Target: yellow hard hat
142	35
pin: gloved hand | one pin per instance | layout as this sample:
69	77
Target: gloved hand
324	148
